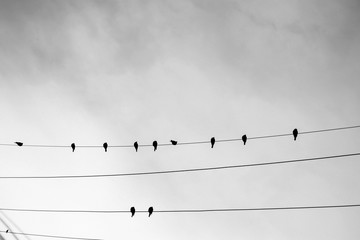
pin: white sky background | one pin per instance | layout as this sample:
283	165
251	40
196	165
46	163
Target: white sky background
124	71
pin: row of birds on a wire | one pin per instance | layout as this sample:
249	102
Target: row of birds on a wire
173	142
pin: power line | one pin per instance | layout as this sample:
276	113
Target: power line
182	143
49	236
183	210
258	209
182	170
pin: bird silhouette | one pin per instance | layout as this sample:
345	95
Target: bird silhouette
295	133
73	147
19	144
7	230
244	138
212	142
173	142
151	210
155	144
136	145
105	145
132	210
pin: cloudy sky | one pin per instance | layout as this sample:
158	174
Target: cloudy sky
123	71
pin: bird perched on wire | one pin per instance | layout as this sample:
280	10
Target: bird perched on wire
155	144
19	144
244	138
136	145
105	145
132	210
295	133
212	140
151	210
7	230
173	142
73	147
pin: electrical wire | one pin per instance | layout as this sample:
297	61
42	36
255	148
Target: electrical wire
181	143
257	209
49	236
182	170
183	210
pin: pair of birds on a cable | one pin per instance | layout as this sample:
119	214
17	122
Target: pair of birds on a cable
150	211
155	145
212	140
105	146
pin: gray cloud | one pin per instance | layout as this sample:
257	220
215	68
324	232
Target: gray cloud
272	49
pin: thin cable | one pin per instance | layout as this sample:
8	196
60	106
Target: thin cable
182	170
257	209
182	143
183	210
49	236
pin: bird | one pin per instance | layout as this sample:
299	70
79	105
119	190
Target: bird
151	210
136	145
244	138
132	210
212	142
7	230
173	142
19	144
73	147
105	145
155	145
295	133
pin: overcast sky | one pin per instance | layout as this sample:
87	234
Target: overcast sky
124	71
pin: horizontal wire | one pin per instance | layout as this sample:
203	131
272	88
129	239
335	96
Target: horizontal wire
182	170
257	209
48	236
183	143
182	210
